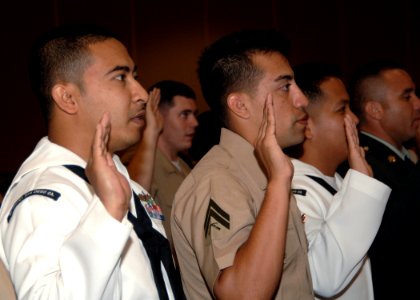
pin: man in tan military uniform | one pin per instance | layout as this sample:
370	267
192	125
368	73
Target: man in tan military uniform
156	161
178	109
7	291
238	232
166	180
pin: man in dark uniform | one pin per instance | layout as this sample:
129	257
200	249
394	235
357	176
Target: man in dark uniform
384	99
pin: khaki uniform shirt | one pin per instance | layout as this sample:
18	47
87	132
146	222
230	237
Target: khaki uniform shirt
214	211
166	180
7	291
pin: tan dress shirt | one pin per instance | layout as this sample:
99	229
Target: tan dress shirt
166	180
213	213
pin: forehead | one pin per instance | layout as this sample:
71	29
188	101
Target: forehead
182	102
108	54
397	78
334	90
273	64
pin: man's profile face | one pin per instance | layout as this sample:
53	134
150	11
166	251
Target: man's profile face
326	120
288	99
179	123
401	106
110	85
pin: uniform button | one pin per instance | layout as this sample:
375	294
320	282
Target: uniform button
392	159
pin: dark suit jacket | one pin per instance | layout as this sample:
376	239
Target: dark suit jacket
394	257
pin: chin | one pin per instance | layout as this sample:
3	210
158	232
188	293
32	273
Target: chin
292	141
129	141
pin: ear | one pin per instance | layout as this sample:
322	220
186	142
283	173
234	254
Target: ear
65	97
237	103
374	110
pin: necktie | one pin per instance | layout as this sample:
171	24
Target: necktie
156	245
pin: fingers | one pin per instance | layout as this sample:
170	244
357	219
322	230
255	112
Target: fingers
261	130
271	123
154	99
101	137
267	119
351	132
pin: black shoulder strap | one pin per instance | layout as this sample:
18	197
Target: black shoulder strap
325	184
78	170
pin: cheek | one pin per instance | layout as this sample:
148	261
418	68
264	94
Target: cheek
333	129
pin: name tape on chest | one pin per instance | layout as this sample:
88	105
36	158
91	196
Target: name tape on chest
300	192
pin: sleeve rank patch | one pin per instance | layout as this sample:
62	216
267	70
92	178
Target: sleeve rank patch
40	192
215	217
301	192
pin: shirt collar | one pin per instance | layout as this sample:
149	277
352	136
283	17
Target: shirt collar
402	154
243	153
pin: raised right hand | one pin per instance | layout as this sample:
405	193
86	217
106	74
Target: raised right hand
110	185
269	153
356	154
154	119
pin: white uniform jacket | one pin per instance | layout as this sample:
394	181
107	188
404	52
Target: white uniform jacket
339	228
59	242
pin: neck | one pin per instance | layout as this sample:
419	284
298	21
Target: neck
70	137
382	135
323	164
167	151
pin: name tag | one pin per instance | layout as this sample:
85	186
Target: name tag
301	192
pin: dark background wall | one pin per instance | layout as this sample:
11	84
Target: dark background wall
166	37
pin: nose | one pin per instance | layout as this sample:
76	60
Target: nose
354	117
300	99
194	121
416	103
139	92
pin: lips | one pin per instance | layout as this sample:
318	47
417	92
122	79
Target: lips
303	119
139	117
190	135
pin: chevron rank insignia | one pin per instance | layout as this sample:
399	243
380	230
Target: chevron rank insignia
215	217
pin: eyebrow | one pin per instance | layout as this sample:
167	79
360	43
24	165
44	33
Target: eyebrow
408	90
188	110
283	77
122	68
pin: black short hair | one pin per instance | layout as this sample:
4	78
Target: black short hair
171	88
226	65
62	54
309	77
358	87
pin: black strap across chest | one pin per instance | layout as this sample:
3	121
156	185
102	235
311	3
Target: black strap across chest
156	245
325	184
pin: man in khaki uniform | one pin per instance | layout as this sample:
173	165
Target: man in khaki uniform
166	180
178	108
236	228
7	291
155	162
